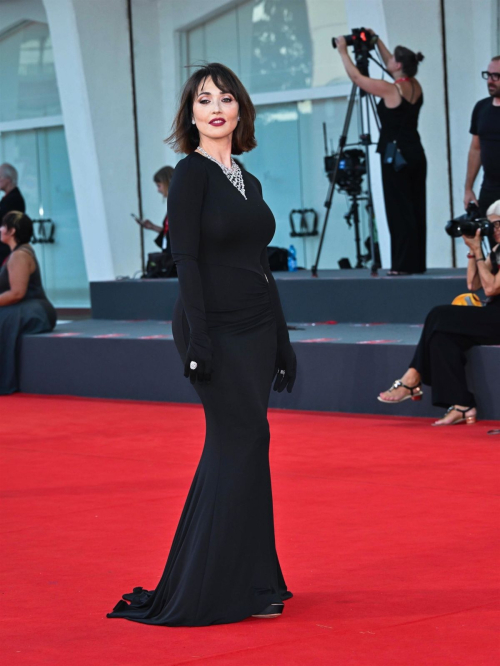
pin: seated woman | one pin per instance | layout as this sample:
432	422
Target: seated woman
449	331
24	307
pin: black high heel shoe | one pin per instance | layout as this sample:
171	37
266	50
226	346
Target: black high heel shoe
273	610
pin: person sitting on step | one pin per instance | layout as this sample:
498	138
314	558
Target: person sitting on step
451	330
24	307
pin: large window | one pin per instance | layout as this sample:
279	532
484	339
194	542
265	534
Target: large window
27	76
32	139
274	45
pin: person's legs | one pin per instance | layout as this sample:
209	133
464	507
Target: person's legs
447	360
401	218
439	359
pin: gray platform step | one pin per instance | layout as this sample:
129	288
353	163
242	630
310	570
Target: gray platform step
342	367
341	295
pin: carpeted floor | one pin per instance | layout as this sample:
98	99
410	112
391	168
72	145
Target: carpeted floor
386	529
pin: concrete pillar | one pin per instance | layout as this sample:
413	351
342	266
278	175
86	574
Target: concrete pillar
92	57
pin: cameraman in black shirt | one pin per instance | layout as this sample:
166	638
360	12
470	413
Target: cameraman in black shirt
485	145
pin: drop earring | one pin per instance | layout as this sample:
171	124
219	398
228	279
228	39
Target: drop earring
193	121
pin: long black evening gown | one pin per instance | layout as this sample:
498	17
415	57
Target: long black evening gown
223	565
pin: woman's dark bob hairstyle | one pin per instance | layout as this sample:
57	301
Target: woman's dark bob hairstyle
408	60
185	137
22	225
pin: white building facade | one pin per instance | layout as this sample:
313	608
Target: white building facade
89	90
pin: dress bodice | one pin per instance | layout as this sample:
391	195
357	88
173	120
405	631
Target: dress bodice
35	288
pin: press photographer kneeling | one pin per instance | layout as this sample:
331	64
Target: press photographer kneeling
451	330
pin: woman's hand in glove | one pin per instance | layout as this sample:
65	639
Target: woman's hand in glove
198	363
286	367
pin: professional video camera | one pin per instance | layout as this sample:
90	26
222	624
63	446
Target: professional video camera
363	42
350	172
469	223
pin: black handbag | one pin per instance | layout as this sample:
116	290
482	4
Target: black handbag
160	265
392	155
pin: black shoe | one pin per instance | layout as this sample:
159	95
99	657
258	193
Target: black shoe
274	610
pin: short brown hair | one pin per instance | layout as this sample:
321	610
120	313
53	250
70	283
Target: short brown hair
22	225
185	137
164	175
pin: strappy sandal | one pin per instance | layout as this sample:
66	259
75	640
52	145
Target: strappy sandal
416	392
469	420
274	610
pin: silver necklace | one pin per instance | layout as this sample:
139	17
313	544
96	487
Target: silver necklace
233	174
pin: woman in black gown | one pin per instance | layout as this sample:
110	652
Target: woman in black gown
232	336
404	188
449	331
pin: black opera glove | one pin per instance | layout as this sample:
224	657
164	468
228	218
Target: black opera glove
198	363
286	369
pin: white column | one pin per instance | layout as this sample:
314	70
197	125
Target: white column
92	58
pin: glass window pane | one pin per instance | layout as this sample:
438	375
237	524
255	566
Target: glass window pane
27	75
221	43
64	267
196	48
278	44
41	158
276	163
289	162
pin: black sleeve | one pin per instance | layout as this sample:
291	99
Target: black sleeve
283	336
474	120
282	329
185	202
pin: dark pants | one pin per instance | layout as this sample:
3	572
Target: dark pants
404	195
449	331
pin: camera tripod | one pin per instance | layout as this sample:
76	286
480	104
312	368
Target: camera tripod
352	219
366	103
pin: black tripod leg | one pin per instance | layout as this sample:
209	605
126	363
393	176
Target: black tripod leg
328	202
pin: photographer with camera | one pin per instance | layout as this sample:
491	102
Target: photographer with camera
404	165
485	145
450	330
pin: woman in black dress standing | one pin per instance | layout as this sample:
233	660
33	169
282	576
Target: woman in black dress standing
404	188
232	337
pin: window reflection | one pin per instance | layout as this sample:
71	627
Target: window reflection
27	73
276	45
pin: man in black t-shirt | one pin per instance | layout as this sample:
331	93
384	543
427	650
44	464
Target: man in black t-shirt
485	145
12	200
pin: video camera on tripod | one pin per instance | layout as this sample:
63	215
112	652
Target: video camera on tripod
350	171
363	42
346	168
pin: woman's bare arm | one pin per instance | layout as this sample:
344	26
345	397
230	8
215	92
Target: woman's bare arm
385	54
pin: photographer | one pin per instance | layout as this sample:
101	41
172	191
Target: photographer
485	145
451	330
404	166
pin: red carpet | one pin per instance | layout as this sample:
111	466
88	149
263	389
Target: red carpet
386	531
